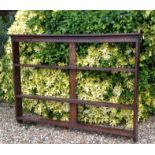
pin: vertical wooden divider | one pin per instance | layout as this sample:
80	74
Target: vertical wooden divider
17	80
72	83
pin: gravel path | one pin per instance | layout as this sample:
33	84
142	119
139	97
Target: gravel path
12	132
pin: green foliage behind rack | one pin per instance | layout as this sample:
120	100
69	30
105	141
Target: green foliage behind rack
115	87
3	35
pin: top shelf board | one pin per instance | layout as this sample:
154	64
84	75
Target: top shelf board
80	38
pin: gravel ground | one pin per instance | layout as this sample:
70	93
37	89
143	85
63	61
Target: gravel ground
12	132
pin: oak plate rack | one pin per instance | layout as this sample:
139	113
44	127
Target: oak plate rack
73	100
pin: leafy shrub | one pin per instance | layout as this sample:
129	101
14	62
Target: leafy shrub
3	36
114	87
5	22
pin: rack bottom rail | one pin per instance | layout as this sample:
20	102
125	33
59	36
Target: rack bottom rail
78	126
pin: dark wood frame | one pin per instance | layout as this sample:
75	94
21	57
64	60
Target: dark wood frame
134	38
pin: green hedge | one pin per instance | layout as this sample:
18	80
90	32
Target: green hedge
5	22
3	36
114	87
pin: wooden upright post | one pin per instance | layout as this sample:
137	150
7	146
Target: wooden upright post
135	104
73	83
17	80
